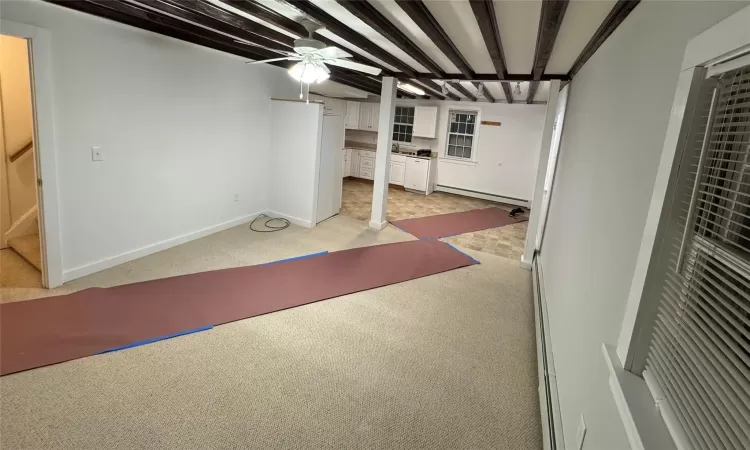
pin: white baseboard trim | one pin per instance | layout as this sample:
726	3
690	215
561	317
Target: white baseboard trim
98	266
483	195
526	265
292	219
378	225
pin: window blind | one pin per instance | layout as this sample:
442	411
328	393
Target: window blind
700	348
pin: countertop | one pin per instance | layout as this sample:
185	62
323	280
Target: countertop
355	146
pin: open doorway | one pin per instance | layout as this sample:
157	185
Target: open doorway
20	244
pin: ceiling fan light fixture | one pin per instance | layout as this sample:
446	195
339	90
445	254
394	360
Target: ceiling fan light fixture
411	88
308	72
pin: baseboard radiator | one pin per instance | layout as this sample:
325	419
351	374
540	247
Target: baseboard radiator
549	404
483	195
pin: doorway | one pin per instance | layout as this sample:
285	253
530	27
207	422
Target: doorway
21	252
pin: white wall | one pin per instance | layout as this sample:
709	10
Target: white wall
515	144
17	123
183	130
296	129
615	124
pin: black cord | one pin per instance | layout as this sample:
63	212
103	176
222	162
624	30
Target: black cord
272	228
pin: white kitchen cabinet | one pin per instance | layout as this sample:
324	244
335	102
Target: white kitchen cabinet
369	113
420	175
366	167
346	162
351	121
354	163
397	173
425	121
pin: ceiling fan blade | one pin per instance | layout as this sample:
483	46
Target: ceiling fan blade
353	66
333	52
291	58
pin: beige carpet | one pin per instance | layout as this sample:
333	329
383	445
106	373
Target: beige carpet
446	361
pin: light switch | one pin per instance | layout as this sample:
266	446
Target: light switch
97	154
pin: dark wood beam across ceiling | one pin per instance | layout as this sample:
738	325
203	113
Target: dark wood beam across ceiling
484	12
437	88
465	92
616	16
349	35
485	77
370	16
147	19
418	12
550	20
482	88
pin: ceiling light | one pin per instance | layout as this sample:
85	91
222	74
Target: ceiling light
410	88
517	90
309	72
444	89
480	91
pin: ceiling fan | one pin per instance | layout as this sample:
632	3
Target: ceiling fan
314	56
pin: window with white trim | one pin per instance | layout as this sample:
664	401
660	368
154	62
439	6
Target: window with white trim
403	124
699	352
461	134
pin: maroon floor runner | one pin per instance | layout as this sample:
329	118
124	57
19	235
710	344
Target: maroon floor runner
50	330
445	225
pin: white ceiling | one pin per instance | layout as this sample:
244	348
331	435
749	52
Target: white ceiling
518	22
332	89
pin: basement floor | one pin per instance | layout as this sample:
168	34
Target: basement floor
507	241
446	362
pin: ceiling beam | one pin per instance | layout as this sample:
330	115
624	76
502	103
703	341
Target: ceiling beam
418	12
253	32
429	91
485	91
372	17
339	29
484	12
146	19
533	86
462	90
619	12
484	77
437	88
550	20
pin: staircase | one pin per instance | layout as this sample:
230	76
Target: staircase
28	247
23	238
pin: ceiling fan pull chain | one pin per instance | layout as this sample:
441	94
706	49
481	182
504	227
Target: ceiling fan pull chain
300	89
308	93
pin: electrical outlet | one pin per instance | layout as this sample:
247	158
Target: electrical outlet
236	197
581	433
97	154
499	164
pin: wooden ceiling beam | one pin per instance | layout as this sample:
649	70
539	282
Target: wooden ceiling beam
339	29
550	20
437	88
462	90
533	86
484	13
253	32
146	19
418	12
372	17
616	16
485	77
485	91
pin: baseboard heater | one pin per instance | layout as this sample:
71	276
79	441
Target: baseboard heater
549	404
482	195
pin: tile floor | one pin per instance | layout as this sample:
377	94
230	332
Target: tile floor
507	241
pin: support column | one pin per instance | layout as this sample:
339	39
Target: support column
378	219
541	174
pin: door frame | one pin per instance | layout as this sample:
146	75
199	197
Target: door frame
42	99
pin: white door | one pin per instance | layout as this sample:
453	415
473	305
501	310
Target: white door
329	180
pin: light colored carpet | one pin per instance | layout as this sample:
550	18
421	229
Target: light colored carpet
29	248
446	361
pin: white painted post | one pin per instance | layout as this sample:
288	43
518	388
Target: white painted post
541	173
378	219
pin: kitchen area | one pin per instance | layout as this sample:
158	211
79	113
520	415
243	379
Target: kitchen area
413	165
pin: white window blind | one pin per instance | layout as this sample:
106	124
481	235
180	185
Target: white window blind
700	348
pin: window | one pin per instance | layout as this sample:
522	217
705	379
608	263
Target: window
699	353
403	124
461	127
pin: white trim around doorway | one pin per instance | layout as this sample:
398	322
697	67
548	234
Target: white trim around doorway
45	146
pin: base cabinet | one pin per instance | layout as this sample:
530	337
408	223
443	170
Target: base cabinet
398	171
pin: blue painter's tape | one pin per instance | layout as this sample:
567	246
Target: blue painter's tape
150	341
459	251
294	258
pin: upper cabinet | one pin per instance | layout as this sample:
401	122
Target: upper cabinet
352	116
369	113
331	106
425	121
